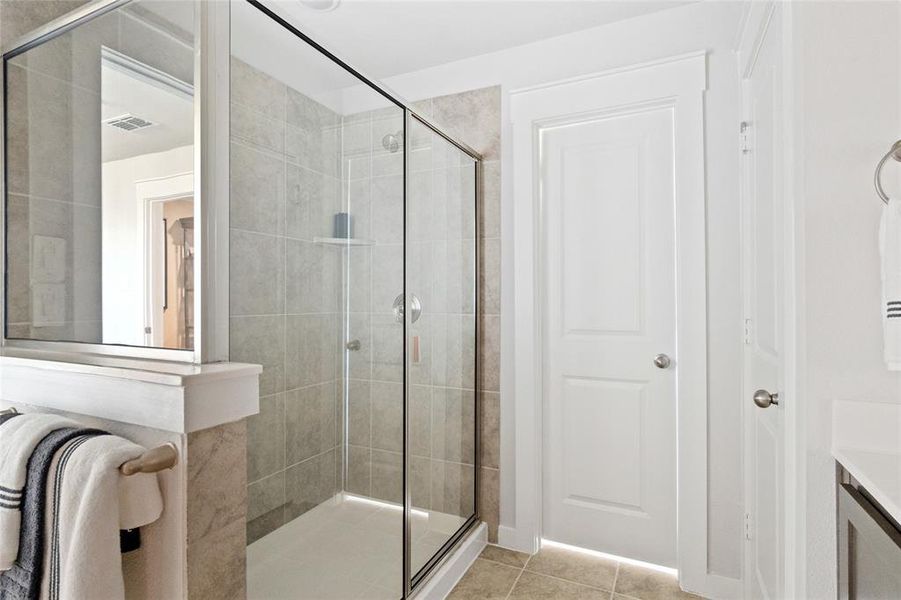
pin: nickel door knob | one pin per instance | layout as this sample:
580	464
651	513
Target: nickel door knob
662	361
763	398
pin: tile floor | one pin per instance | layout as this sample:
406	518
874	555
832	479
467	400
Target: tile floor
560	574
346	548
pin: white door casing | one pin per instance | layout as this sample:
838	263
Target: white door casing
150	194
764	232
609	256
676	85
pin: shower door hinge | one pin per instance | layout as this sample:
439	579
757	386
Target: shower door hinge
748	535
748	327
744	144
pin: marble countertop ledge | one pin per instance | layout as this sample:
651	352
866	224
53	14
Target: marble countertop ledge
866	441
170	396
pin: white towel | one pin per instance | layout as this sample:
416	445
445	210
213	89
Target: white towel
890	248
81	550
18	437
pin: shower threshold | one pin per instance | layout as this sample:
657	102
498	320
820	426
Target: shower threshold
344	548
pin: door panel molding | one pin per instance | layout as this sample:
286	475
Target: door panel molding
681	82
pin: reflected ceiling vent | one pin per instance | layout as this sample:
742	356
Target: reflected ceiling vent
129	123
320	5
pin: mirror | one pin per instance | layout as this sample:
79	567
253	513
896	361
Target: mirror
99	127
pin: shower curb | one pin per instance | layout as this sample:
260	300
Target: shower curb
454	566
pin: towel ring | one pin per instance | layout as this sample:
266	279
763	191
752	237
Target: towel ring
894	152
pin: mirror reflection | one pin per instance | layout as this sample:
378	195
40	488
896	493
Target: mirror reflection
100	185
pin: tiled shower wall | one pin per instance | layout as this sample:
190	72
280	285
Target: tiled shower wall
54	158
285	292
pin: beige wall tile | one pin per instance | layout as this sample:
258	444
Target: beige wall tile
359	466
257	190
217	564
387	416
257	274
217	482
260	340
489	501
310	422
266	438
387	476
490	432
313	278
253	88
309	483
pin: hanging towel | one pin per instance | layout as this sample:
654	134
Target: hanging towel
88	501
22	580
890	248
18	438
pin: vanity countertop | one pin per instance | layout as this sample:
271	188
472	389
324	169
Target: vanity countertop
176	397
866	441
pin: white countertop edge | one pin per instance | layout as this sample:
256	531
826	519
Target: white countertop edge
159	372
887	494
195	397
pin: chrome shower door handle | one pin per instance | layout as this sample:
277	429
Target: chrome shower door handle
415	306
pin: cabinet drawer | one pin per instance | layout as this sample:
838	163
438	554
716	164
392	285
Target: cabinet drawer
869	550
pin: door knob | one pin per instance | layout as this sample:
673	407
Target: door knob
662	361
763	398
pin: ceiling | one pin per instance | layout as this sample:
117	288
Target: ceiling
171	113
383	38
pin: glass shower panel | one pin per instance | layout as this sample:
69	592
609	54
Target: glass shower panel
316	262
441	265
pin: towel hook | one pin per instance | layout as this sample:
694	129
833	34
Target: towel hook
894	152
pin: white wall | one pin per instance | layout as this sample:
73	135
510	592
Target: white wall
123	302
848	65
710	26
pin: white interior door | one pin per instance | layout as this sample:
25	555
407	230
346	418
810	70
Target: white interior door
764	299
610	272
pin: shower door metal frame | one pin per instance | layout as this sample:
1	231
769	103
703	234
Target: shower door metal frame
413	581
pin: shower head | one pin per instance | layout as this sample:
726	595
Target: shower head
392	141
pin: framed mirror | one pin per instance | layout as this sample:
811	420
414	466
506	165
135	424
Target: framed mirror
99	181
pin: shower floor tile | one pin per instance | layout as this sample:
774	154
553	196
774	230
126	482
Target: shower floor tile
346	548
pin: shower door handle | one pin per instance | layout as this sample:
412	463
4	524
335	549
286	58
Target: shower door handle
415	306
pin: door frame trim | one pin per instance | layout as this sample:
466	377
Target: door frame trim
755	25
682	80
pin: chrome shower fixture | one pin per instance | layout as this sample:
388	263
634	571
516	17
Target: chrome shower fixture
392	141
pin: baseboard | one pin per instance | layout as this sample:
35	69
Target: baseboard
718	587
455	566
516	539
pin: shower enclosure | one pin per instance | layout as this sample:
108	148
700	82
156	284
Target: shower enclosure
353	281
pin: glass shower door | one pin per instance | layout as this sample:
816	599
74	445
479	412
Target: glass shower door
441	342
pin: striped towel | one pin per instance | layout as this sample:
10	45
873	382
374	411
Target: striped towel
19	436
87	505
22	581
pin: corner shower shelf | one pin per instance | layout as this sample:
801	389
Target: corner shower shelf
333	241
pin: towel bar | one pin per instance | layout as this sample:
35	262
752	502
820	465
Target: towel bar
157	459
894	152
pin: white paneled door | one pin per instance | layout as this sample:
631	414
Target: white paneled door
608	198
764	306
